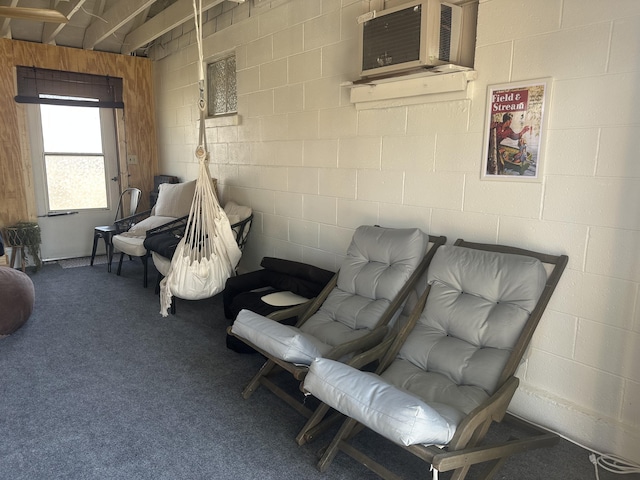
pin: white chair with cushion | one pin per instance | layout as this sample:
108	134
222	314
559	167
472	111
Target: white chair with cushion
352	313
451	372
172	207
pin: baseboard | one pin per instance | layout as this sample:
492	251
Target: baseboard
587	429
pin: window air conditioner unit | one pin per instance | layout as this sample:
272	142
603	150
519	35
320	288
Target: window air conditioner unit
416	34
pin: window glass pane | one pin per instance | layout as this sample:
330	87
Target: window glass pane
232	99
75	182
221	78
219	86
71	129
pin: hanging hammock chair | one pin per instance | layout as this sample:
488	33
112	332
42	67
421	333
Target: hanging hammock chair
207	254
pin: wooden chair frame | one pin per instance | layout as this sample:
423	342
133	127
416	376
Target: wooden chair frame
304	311
465	448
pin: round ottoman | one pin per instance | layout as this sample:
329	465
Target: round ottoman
17	297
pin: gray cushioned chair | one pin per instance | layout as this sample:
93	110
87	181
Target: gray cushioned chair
450	372
352	313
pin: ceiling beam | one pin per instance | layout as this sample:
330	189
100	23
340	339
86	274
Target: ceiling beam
5	26
111	20
68	9
35	14
141	18
98	8
163	22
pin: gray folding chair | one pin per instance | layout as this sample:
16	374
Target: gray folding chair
450	372
352	313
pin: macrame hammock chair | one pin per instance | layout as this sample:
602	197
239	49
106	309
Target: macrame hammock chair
207	254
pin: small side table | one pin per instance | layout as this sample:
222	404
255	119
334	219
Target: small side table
106	232
21	236
15	251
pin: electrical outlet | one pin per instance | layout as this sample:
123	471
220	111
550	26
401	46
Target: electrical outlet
132	159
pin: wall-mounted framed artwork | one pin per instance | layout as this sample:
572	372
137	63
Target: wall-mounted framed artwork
514	132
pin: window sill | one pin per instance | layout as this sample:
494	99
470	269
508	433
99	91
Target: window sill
439	84
222	121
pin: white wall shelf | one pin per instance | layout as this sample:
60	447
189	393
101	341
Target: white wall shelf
411	88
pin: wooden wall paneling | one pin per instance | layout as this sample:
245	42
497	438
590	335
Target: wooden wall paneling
26	164
146	131
17	199
123	170
98	63
140	130
13	204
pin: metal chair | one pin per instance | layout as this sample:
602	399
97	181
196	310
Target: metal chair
106	232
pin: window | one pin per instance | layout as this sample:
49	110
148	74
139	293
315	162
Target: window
221	87
74	162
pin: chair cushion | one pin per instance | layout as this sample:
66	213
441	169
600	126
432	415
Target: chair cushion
164	244
392	412
379	262
282	341
478	305
140	228
315	278
174	199
162	264
325	328
433	387
236	213
129	245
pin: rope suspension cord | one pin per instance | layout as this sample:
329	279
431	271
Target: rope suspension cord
208	253
201	151
197	237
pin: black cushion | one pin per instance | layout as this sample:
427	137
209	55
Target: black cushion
164	244
278	275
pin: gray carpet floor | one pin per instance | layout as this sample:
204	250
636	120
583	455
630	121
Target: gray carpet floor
97	385
84	261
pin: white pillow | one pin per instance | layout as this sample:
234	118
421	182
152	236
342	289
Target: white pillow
236	212
140	228
282	341
393	413
174	199
233	219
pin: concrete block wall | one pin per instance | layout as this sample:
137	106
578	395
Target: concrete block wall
314	167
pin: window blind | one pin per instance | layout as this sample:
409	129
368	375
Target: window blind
35	84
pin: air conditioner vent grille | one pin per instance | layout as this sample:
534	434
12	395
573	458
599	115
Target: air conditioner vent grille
446	20
392	39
